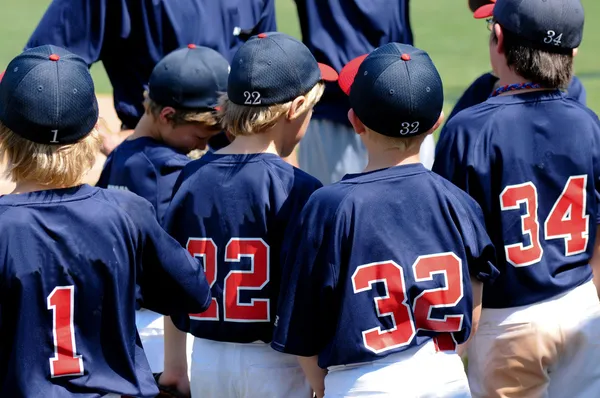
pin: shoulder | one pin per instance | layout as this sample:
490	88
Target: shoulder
126	203
332	200
305	181
161	155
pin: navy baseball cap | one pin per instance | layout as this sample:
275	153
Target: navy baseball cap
549	24
274	68
396	90
189	78
47	96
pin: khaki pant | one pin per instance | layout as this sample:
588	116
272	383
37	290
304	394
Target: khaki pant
548	349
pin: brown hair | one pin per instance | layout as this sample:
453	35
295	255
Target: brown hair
546	68
249	120
50	165
183	116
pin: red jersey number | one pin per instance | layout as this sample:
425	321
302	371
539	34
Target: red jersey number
395	302
236	281
65	361
567	220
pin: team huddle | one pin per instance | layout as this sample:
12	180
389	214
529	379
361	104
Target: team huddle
238	275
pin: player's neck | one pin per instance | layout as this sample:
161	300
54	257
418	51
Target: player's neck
390	158
508	78
249	144
145	128
29	186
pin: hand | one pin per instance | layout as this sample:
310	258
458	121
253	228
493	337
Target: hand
110	139
174	381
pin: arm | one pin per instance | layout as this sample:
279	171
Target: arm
314	374
595	261
175	373
171	280
477	288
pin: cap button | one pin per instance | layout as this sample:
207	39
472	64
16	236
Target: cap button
262	35
191	46
54	57
405	57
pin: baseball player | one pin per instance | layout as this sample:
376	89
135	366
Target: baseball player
337	31
531	157
130	37
486	84
232	208
384	271
180	116
75	260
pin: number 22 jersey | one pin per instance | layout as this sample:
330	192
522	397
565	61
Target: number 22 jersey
231	212
381	262
532	162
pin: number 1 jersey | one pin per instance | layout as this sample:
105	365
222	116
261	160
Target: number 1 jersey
232	212
74	265
379	263
532	162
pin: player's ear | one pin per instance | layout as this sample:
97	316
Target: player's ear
296	108
499	33
358	126
166	114
575	51
438	123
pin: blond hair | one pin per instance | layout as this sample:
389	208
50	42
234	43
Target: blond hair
403	144
249	120
208	119
59	166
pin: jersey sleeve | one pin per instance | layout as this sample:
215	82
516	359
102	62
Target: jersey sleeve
171	280
76	25
481	254
267	21
141	177
305	321
169	175
450	156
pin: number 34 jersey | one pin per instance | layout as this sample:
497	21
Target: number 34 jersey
381	262
232	212
532	162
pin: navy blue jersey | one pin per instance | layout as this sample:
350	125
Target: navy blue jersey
481	89
131	36
379	263
532	161
337	31
146	167
232	211
74	265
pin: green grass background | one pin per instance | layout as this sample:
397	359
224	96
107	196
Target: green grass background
444	28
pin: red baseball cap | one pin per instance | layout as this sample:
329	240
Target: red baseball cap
486	11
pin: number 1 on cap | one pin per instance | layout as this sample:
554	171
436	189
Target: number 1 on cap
54	141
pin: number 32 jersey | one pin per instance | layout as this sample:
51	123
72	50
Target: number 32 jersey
231	212
379	263
532	162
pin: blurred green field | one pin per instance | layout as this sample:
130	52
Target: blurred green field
456	42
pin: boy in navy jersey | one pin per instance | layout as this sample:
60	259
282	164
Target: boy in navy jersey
481	89
531	157
75	260
232	208
384	270
180	116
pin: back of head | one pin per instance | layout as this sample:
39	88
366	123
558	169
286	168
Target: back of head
267	73
190	81
395	91
539	37
48	110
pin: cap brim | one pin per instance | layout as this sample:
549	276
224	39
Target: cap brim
484	12
328	73
349	72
